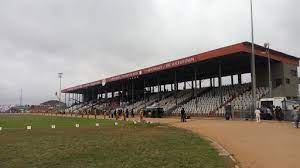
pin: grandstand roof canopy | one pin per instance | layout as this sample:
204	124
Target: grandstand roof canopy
234	59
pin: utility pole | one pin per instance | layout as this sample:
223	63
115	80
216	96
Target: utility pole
21	97
253	75
60	76
267	47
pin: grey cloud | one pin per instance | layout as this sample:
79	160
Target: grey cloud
91	39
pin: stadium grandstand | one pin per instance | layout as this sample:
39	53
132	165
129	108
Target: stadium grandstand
50	106
203	84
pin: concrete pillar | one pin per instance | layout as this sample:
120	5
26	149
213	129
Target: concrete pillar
239	78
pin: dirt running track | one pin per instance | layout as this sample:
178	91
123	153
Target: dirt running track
254	145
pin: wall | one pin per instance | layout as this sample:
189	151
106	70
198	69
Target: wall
290	81
284	82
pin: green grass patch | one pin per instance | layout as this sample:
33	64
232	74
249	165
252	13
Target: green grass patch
126	145
36	121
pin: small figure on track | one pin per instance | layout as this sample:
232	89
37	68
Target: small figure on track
183	115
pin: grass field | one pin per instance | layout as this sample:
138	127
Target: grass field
125	145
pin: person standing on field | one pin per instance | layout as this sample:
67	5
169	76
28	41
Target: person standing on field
132	113
281	115
296	116
124	115
142	115
127	113
117	114
112	114
104	114
257	115
182	115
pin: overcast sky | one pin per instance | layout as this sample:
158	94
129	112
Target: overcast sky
91	39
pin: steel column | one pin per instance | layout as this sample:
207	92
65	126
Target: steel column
253	73
144	83
122	97
68	99
220	83
200	83
132	91
195	80
267	46
195	90
240	79
158	88
176	88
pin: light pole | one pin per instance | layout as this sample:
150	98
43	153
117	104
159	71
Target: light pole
253	61
267	47
60	76
21	97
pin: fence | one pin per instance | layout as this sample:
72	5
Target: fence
248	113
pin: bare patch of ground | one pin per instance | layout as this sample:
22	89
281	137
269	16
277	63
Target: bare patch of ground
255	145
